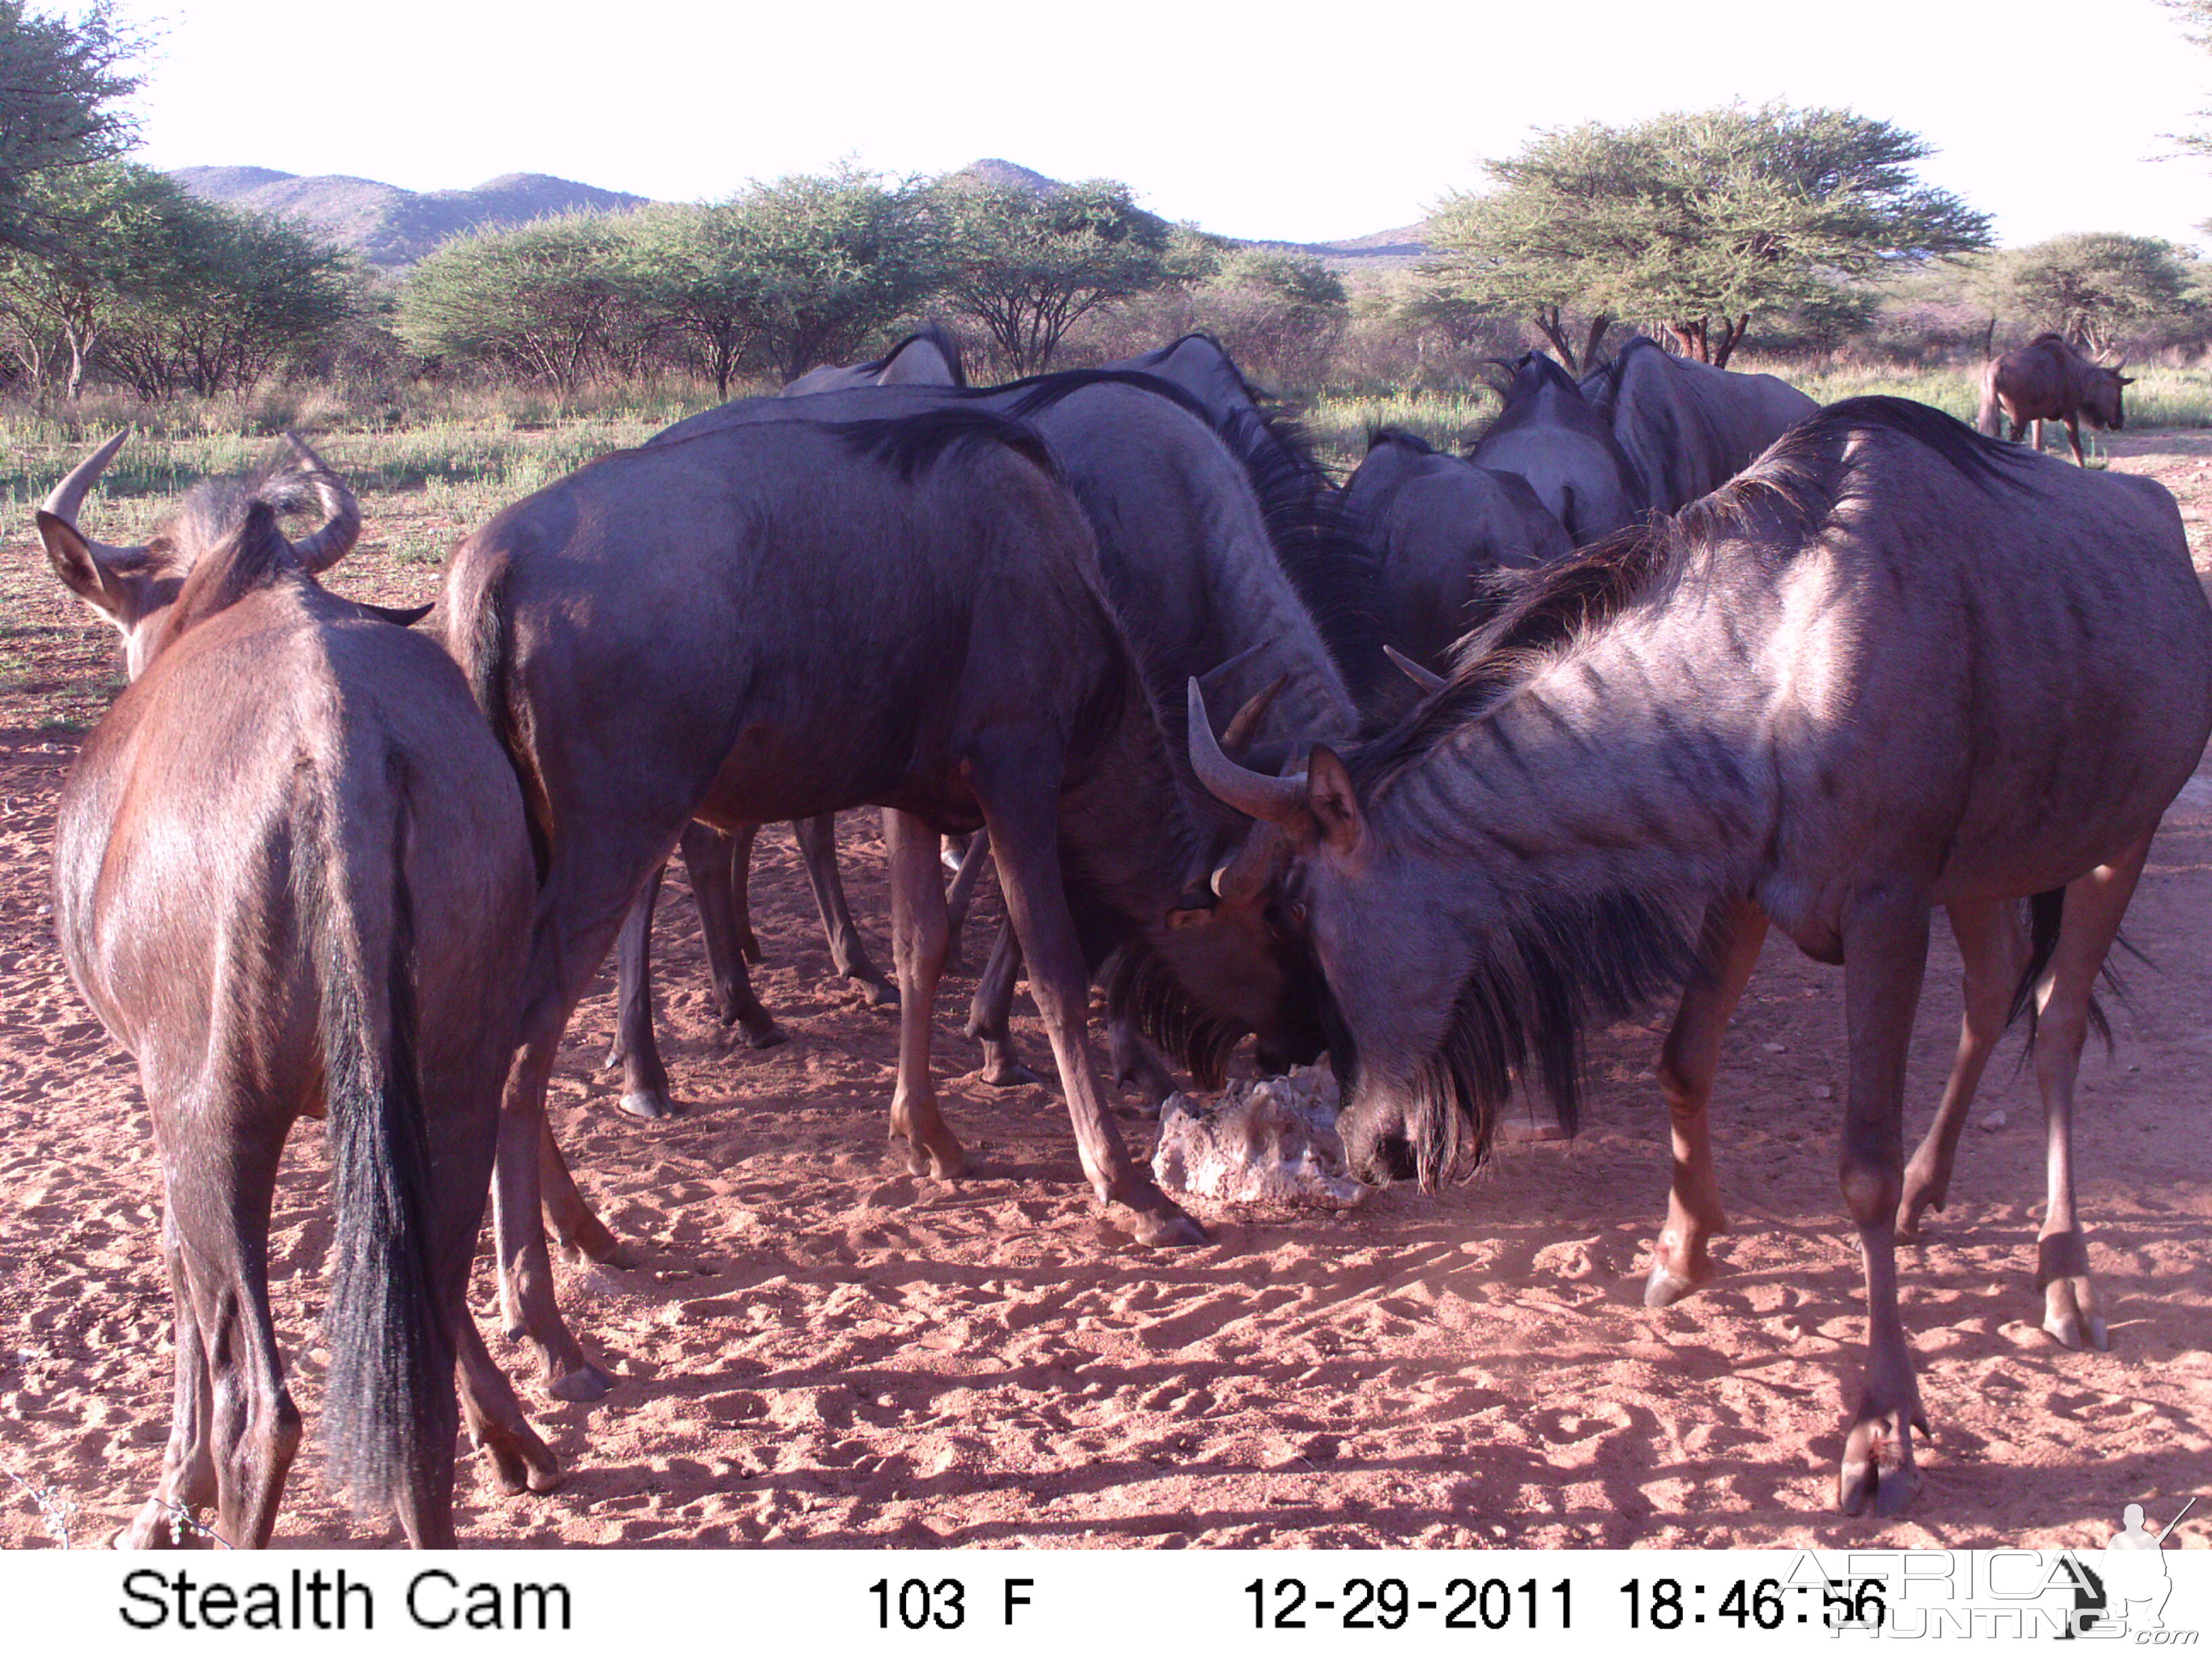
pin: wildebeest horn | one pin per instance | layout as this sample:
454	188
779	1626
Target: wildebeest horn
1426	679
1237	734
68	494
1217	676
1276	800
341	513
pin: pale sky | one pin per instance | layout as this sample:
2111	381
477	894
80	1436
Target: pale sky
1255	120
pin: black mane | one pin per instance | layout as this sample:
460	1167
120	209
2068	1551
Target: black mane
1793	489
912	444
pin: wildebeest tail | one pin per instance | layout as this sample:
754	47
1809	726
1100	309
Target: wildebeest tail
478	634
2046	918
389	1406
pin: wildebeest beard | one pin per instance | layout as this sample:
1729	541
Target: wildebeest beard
1536	984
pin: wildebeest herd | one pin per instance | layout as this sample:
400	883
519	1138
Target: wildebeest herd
1685	658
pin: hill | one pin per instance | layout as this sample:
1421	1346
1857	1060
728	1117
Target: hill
391	227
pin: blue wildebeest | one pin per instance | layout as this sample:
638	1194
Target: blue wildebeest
672	633
1688	428
1892	665
1195	554
291	877
1566	451
1440	529
716	861
2047	379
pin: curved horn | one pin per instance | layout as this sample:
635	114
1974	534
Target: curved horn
1212	682
68	494
341	526
1237	734
1425	678
1277	800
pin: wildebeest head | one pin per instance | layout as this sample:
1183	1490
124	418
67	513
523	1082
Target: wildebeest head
2100	395
224	530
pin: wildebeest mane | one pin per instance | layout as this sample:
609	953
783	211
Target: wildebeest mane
1400	437
937	335
1518	407
1314	545
1790	492
1536	986
912	444
1140	985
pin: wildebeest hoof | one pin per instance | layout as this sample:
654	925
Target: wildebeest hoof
2070	1314
586	1383
518	1472
1170	1228
1892	1493
1860	1478
1665	1287
647	1103
1008	1075
945	1162
882	993
766	1034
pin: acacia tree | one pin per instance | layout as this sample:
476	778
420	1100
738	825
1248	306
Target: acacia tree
61	301
62	83
815	266
2094	287
1698	222
1026	263
546	301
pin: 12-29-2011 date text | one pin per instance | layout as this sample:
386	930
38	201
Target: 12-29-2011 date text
1464	1603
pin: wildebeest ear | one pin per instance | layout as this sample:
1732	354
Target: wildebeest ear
80	567
2127	379
1331	799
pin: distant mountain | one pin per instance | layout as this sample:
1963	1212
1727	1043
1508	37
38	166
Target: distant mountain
991	170
391	227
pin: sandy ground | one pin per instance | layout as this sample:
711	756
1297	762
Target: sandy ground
817	1348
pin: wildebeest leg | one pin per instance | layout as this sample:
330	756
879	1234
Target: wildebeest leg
918	940
597	873
962	893
817	849
519	1459
187	1482
2038	425
990	1016
719	866
1733	931
1024	839
2094	905
2074	437
221	1208
645	1079
1993	951
1884	957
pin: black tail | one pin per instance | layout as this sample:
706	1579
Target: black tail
2047	916
389	1412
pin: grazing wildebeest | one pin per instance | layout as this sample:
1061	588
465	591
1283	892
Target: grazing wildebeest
291	877
2047	379
1440	528
1688	428
1204	578
1892	665
1551	437
717	861
773	620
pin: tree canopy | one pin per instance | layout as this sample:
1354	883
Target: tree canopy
2094	287
1026	263
62	86
1696	223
